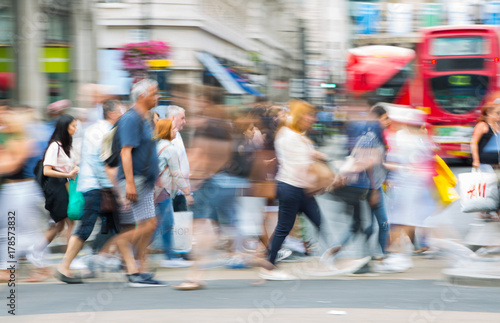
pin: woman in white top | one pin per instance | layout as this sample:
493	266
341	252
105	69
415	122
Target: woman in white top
58	167
172	181
296	155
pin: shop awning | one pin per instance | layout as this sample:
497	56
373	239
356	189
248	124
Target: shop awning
220	73
245	85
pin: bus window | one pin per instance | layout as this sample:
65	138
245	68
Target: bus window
391	89
460	93
459	46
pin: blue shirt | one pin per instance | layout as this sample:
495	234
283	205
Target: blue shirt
367	134
135	132
355	129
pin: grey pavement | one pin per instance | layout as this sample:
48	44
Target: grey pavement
419	295
230	294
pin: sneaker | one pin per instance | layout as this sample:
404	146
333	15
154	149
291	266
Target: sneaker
276	275
103	263
140	280
235	262
363	270
148	275
395	263
80	263
36	258
175	263
283	254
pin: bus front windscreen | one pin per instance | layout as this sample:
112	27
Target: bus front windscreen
459	46
459	93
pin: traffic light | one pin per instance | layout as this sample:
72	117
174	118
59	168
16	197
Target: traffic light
328	85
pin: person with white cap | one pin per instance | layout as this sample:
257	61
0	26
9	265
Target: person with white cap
410	160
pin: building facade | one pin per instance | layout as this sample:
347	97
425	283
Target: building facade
256	39
397	22
47	50
326	42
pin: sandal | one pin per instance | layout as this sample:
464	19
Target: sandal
420	251
68	279
39	275
190	285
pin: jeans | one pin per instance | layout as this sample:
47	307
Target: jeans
292	200
352	196
165	227
91	211
216	200
380	213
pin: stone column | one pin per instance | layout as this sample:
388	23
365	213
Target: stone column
84	55
32	83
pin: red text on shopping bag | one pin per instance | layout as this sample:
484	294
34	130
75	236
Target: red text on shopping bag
476	191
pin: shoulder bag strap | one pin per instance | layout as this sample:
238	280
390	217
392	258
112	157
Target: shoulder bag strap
166	167
145	170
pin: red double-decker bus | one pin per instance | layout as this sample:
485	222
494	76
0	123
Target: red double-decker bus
380	73
451	75
456	74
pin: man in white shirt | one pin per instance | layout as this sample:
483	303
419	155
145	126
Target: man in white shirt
178	117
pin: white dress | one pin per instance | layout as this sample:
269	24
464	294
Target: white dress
409	197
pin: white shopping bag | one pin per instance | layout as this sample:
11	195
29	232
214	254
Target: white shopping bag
478	191
183	232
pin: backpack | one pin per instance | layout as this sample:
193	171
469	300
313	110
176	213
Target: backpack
111	146
40	178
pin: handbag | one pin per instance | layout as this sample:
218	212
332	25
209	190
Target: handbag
108	203
447	193
478	191
443	170
76	201
445	182
266	189
182	235
160	194
322	177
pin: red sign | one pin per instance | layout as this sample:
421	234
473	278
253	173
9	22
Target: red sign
280	84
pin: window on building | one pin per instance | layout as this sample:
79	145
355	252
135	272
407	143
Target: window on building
58	28
56	53
6	22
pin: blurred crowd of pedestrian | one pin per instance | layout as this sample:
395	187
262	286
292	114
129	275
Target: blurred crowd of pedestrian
130	167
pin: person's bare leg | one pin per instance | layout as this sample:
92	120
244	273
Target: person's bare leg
69	231
145	231
75	244
124	244
270	219
395	240
52	232
109	247
203	230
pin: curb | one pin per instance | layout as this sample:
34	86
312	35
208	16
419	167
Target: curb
460	276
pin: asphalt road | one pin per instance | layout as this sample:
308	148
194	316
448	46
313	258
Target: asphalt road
415	295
